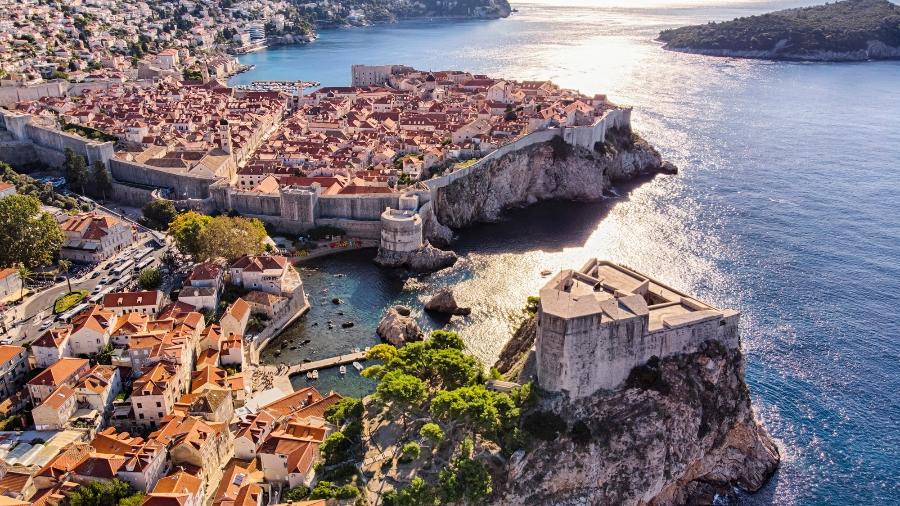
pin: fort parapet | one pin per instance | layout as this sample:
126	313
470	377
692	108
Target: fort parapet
597	323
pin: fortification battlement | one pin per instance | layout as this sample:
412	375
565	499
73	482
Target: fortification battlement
597	323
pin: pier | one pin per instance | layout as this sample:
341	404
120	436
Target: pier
326	363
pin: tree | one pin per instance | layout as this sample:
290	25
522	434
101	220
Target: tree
186	230
65	265
159	213
347	409
101	179
231	238
410	451
149	278
478	408
99	493
402	391
76	170
465	479
28	236
24	275
297	493
433	433
335	447
418	493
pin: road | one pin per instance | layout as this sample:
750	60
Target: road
41	304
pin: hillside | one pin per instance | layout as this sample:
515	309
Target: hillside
840	31
379	11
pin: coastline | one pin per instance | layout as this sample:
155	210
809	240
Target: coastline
861	55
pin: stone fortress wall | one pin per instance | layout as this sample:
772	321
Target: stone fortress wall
49	144
597	323
290	210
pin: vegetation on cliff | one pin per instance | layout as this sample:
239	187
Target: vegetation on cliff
840	27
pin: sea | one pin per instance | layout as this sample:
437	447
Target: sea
786	208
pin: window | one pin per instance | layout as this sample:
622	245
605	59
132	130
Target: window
141	416
159	414
158	405
139	405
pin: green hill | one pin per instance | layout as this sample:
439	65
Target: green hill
846	30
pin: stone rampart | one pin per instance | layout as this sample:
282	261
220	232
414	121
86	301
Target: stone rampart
131	195
9	95
183	185
366	207
17	153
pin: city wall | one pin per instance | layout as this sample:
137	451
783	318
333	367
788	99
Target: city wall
9	95
182	186
50	144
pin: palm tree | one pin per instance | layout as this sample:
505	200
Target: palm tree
65	265
24	274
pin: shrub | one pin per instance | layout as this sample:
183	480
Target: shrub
297	493
68	301
150	278
432	432
410	452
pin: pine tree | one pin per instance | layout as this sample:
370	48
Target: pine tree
102	180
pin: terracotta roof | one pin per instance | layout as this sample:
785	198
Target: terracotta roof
130	299
53	337
8	352
95	318
111	442
179	482
9	271
61	371
59	397
13	483
100	465
206	271
238	309
293	402
66	461
260	263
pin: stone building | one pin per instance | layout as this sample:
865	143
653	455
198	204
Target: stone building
597	323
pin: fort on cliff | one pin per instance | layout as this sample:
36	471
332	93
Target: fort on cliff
597	323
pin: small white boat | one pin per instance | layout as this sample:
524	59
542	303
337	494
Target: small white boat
357	366
355	350
546	272
343	369
315	374
309	375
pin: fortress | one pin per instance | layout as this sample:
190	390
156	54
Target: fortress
597	323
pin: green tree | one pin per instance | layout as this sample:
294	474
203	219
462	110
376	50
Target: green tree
149	278
64	266
403	392
478	408
76	171
335	447
159	213
418	493
28	236
99	493
297	493
186	230
433	433
345	410
466	480
101	179
25	275
231	238
410	451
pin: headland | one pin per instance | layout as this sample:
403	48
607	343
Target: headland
849	30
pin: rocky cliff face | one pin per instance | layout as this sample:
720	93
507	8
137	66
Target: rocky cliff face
680	432
551	170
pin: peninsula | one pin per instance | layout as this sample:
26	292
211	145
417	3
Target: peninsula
850	30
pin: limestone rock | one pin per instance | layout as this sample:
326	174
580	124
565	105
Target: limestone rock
679	432
542	172
397	327
445	302
426	259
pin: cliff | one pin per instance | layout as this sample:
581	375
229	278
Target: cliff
851	30
681	432
549	170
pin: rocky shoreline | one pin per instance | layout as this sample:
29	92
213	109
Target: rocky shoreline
876	51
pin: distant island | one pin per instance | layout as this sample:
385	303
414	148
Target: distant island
850	30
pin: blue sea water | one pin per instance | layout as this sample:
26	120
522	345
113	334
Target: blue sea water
785	208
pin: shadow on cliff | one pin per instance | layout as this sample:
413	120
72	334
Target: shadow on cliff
549	226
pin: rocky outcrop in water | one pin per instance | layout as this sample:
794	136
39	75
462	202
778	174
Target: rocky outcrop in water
398	327
444	302
550	170
425	259
681	431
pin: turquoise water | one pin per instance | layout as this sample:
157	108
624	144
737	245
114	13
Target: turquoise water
786	208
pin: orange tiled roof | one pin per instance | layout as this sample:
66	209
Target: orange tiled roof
61	371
